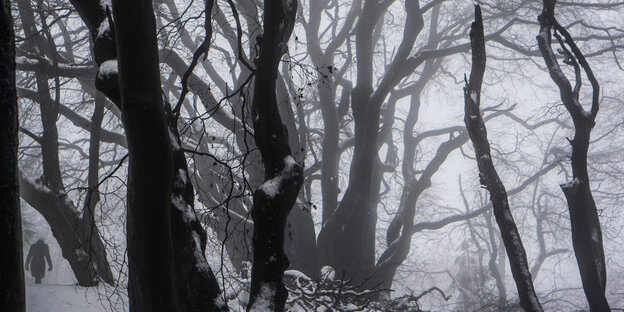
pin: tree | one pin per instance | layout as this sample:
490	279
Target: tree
150	177
12	296
274	199
586	232
487	173
77	234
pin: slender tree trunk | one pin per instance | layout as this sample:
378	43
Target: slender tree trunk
150	173
12	297
283	176
488	175
586	232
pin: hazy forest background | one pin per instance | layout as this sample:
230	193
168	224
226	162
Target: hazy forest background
322	155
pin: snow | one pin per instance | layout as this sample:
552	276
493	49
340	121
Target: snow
201	264
272	186
22	60
81	254
474	96
328	273
174	141
37	184
486	157
69	298
107	69
181	178
187	213
571	184
103	28
219	301
595	236
264	299
294	274
473	117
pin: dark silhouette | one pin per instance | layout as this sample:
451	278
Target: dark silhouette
12	296
35	261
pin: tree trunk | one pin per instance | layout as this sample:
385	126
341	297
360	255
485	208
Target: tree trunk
586	232
150	172
488	175
12	296
283	176
196	284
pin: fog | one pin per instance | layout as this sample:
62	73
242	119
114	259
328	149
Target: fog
322	155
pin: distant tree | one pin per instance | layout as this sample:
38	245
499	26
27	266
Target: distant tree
12	296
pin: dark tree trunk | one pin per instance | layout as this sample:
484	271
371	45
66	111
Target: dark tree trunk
283	176
80	243
150	172
347	240
196	284
12	297
488	175
586	233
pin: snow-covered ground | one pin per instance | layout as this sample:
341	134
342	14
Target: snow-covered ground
68	298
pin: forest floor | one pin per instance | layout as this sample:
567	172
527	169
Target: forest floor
67	298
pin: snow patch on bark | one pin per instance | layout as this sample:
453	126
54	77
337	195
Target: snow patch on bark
181	178
474	96
187	213
200	262
264	299
174	140
218	301
595	236
569	185
37	185
107	69
103	28
81	254
273	186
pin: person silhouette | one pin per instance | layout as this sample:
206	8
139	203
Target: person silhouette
35	261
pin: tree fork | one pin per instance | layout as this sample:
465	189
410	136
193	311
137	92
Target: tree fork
584	220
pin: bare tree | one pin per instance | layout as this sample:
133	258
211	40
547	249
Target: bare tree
150	175
274	199
487	173
586	232
77	235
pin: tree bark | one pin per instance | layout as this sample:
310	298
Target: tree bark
150	172
488	175
12	296
283	176
586	232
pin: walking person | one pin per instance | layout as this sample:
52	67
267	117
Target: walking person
35	261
